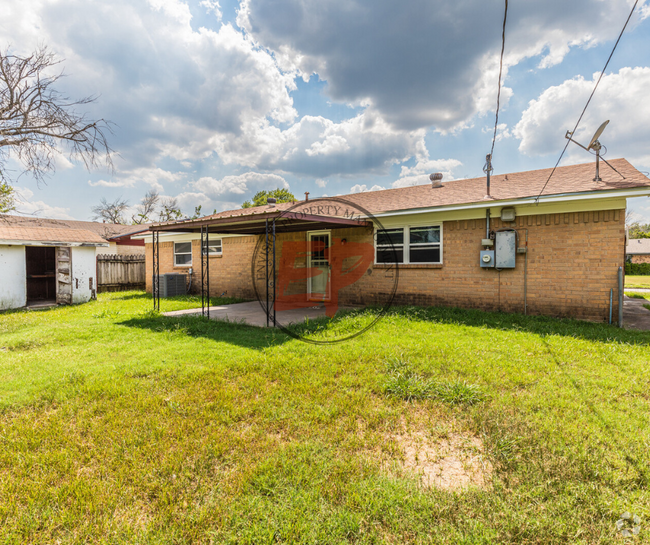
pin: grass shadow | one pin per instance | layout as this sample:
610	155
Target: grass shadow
238	333
539	325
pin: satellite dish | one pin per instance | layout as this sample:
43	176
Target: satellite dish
596	146
597	135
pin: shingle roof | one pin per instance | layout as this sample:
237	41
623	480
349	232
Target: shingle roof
518	185
638	246
104	231
29	233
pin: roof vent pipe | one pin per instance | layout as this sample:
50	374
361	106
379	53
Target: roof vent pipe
436	179
306	195
271	201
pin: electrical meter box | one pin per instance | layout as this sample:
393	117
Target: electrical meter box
505	246
487	258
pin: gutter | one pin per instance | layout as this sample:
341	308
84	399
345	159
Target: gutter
41	243
562	197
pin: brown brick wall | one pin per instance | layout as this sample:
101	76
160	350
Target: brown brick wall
640	258
230	273
573	259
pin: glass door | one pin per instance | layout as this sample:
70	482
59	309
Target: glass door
318	287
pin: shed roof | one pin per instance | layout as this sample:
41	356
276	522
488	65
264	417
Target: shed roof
19	229
20	234
637	246
104	230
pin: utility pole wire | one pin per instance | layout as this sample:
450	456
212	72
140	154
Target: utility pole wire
503	45
588	101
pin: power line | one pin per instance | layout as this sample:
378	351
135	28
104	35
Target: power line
588	101
503	45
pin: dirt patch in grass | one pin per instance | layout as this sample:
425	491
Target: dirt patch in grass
451	463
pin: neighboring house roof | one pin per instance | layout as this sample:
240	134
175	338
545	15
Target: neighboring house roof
17	234
106	231
567	182
132	231
637	246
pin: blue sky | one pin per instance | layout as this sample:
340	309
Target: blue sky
213	101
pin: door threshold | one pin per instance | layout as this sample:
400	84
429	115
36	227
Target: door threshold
37	305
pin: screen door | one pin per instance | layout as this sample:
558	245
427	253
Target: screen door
318	287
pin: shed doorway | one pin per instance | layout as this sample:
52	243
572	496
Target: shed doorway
40	266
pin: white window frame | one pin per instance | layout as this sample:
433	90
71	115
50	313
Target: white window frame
212	252
407	243
183	253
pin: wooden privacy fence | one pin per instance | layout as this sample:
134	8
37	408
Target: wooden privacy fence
120	272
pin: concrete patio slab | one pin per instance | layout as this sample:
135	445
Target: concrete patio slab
252	313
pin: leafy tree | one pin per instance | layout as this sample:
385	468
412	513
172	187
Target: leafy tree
260	198
198	214
169	209
37	122
7	201
638	230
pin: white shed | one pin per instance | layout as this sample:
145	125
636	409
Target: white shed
42	265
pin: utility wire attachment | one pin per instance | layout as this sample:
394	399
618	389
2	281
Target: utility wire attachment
503	45
588	101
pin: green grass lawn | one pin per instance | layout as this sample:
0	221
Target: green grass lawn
632	281
118	425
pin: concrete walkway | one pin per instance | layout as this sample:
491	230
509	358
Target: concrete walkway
251	313
635	315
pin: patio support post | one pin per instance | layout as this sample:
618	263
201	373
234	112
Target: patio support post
207	266
274	283
266	257
205	271
155	281
202	301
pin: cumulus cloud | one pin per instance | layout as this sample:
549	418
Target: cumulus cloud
153	176
621	97
27	206
170	90
423	63
316	146
213	7
362	188
321	183
243	184
419	174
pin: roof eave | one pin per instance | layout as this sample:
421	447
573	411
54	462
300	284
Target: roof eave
51	243
559	197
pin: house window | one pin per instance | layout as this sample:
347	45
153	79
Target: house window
390	246
412	244
424	244
182	254
214	247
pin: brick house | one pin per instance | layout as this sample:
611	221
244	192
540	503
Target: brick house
447	244
638	250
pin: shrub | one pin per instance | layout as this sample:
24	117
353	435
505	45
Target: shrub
637	269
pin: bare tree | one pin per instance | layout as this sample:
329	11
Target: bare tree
111	212
37	122
169	209
146	208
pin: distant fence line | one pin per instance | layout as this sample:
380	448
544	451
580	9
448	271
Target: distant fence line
120	272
